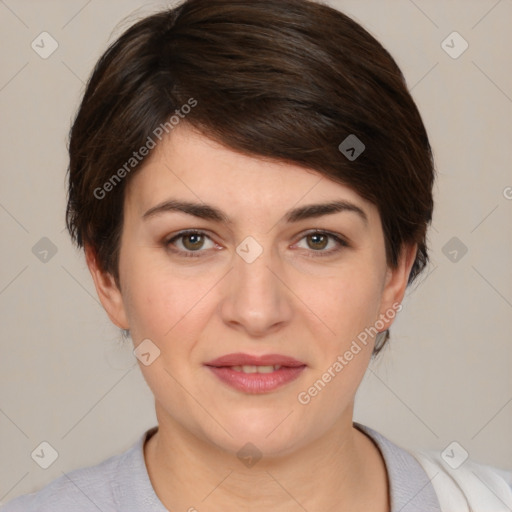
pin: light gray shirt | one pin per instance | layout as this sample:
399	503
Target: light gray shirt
121	484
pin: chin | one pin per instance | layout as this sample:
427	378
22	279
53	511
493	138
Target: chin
264	433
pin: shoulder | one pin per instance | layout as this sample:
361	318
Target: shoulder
80	490
466	484
445	481
84	489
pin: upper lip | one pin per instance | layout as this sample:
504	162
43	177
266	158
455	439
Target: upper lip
240	359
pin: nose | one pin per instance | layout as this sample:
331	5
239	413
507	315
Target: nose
256	298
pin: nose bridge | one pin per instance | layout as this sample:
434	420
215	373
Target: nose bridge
253	262
257	297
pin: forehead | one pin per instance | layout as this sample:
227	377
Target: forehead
189	166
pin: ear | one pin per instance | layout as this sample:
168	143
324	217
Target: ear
395	284
107	290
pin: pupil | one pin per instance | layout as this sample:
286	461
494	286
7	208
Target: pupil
317	236
192	237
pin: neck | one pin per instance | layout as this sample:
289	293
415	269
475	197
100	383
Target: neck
342	470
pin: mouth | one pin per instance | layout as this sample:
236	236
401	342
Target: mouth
256	374
246	368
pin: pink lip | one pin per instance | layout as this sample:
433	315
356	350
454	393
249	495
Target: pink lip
256	382
240	359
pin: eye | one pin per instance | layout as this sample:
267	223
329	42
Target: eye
192	241
319	240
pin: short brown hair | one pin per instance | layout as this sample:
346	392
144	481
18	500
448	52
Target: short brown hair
284	79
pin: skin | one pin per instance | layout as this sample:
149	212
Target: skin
287	302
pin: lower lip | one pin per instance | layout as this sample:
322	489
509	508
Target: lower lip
256	382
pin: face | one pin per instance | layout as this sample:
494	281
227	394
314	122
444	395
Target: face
283	295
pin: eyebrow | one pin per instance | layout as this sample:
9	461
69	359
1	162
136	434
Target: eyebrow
209	212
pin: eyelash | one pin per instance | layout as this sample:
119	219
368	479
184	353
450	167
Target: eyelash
192	254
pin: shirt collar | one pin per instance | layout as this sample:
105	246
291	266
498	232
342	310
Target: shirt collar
133	491
410	489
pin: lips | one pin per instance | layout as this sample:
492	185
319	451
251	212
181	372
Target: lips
241	359
256	374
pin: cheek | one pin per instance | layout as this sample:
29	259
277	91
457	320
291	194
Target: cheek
160	302
347	302
348	307
158	308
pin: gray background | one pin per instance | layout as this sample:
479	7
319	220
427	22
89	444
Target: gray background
67	378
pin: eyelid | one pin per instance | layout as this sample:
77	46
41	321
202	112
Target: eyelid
341	238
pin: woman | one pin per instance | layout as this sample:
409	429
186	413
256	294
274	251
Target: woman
252	185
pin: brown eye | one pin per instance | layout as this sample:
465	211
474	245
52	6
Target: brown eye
191	242
319	241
